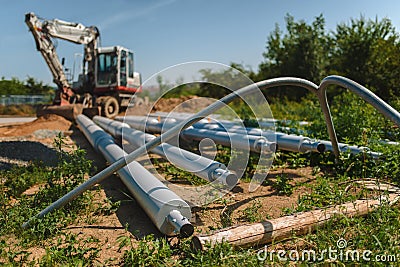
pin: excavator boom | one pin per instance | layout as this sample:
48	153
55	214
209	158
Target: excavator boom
46	47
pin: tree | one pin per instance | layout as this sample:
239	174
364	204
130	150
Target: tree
30	87
162	85
367	51
220	83
12	87
180	88
384	68
245	70
35	87
301	52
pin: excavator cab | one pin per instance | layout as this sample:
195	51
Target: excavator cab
115	81
114	71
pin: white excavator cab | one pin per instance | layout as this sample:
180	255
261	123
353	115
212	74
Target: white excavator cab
114	70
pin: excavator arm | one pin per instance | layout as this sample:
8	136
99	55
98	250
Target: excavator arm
44	30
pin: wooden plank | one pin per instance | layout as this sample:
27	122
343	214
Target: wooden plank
280	228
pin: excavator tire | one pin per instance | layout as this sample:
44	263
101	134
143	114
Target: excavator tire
110	107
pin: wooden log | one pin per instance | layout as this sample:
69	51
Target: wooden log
257	234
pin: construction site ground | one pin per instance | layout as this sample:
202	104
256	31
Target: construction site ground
23	142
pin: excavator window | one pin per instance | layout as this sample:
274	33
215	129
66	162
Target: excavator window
130	57
107	68
123	68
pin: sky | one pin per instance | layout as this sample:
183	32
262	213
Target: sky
163	33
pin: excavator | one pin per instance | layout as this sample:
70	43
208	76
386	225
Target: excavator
108	81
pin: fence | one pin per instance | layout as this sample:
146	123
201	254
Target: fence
6	100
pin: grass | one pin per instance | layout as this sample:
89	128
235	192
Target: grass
175	174
21	110
252	213
17	207
378	232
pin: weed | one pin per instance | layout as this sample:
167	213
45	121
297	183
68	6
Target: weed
108	207
282	185
20	109
54	182
292	160
157	252
148	252
175	174
71	250
221	254
252	213
226	214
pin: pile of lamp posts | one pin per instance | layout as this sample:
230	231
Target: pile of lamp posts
168	211
228	133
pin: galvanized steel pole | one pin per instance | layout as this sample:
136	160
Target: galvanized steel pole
167	210
361	91
295	143
257	144
383	107
284	141
203	167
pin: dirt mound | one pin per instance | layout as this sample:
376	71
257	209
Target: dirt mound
189	104
48	121
182	104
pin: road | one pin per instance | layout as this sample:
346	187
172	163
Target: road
14	120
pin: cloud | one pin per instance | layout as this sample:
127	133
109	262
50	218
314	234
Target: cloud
133	14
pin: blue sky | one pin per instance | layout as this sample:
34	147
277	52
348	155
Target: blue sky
163	33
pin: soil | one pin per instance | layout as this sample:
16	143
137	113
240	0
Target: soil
181	104
32	141
47	122
239	199
108	228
